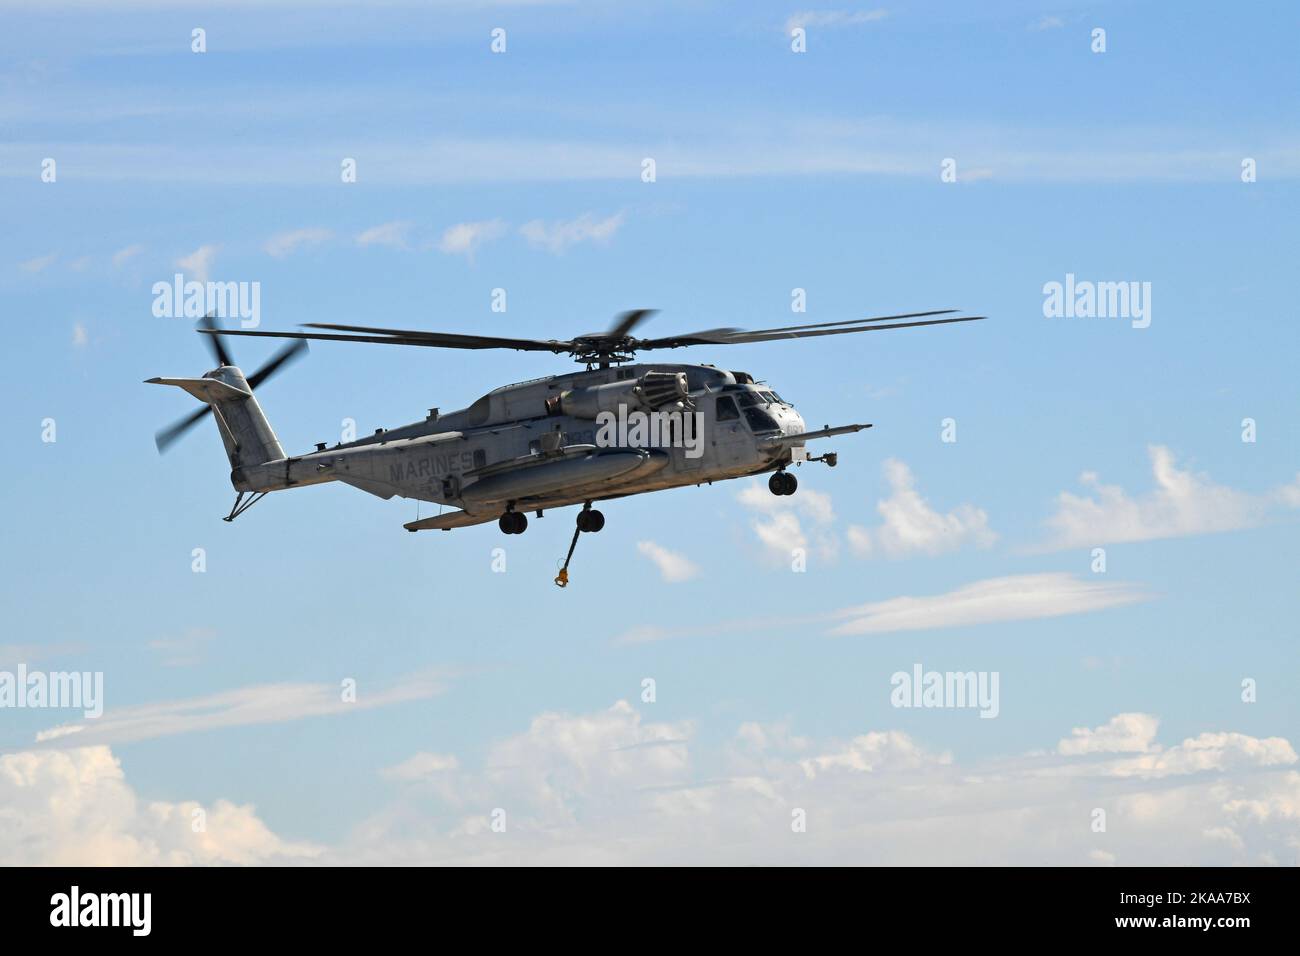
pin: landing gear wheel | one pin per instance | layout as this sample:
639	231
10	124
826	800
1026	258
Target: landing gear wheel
595	521
513	522
782	483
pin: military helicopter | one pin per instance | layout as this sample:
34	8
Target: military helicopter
616	428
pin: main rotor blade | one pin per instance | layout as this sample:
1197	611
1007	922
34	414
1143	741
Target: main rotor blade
286	354
625	322
878	318
446	340
741	336
770	336
165	437
208	324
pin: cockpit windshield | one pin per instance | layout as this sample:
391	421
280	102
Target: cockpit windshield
759	420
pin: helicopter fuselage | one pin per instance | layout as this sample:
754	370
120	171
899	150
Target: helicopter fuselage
561	440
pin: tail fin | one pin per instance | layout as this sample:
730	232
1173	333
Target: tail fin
248	436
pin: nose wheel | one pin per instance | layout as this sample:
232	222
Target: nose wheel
782	483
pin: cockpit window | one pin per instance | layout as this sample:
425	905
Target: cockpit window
726	410
747	399
759	420
770	396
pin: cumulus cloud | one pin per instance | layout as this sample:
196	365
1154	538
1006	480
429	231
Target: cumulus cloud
465	238
391	234
75	808
198	264
779	522
1125	733
615	787
910	526
1018	597
673	567
558	237
285	243
1182	503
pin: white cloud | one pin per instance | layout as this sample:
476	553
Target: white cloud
613	787
420	766
1020	597
39	264
779	527
1125	733
833	18
258	704
285	243
1047	23
79	337
75	808
558	237
465	238
1182	503
125	255
673	567
198	264
911	526
391	234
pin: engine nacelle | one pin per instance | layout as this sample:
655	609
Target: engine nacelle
649	393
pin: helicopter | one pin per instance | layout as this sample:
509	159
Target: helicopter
614	429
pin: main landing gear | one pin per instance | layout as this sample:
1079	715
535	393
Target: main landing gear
589	521
513	522
782	483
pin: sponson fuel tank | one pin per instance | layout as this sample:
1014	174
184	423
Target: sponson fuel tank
598	467
651	392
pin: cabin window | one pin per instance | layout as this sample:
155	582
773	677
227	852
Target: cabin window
726	410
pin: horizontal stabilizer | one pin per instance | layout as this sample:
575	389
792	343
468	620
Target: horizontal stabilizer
204	389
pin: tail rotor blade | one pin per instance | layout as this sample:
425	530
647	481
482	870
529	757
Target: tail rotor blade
218	347
282	357
167	436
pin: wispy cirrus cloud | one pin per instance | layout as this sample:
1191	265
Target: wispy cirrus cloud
1020	597
391	234
285	243
833	18
466	238
560	236
198	264
244	706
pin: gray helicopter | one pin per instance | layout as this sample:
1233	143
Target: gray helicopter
615	429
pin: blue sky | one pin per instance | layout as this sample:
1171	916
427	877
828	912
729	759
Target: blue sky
775	171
